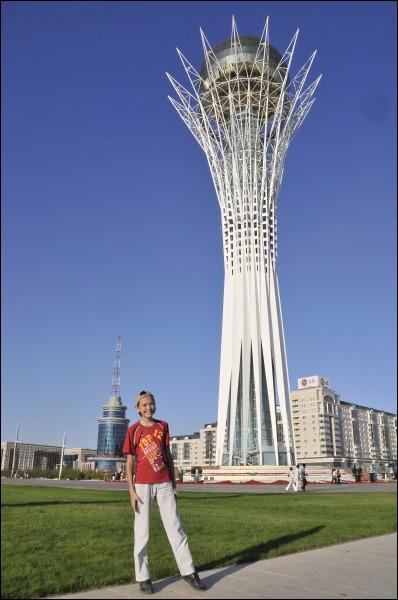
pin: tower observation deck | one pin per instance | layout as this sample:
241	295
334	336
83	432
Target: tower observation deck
243	109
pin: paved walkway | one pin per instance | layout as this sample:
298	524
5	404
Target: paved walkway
360	569
267	488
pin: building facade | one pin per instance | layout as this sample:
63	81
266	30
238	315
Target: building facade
243	108
329	431
199	449
112	426
195	450
41	456
112	429
369	436
77	458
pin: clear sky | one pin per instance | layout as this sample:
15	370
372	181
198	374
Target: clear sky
111	224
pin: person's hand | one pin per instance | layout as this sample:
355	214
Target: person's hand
134	500
175	489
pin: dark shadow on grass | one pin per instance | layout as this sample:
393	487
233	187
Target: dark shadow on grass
209	497
260	551
242	557
63	502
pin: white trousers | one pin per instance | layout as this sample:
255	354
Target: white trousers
171	521
292	484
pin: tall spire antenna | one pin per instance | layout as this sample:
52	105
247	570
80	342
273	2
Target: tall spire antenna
115	391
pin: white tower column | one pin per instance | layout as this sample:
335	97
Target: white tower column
243	111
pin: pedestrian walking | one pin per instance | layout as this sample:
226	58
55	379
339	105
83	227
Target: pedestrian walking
291	481
303	478
150	475
338	476
334	478
297	478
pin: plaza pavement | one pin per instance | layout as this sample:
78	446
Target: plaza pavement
360	569
266	488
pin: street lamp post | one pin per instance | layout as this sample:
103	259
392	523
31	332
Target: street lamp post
15	452
62	456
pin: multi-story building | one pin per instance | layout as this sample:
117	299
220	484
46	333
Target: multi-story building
316	423
369	436
208	437
197	449
331	432
112	426
41	456
112	430
77	458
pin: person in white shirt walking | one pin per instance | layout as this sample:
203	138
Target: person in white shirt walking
291	483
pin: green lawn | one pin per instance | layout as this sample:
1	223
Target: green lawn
64	540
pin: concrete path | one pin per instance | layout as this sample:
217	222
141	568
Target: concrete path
360	569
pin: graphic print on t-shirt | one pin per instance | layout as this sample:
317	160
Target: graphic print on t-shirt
150	447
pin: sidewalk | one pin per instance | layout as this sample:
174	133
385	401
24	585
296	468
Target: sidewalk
360	569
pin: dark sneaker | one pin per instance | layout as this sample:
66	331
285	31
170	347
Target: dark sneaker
146	587
194	581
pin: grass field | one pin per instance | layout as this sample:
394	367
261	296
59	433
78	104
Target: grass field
59	540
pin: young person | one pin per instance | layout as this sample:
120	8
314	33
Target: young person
150	475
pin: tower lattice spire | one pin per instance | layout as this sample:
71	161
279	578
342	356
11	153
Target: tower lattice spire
115	391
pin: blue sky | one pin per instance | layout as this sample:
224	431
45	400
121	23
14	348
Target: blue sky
111	224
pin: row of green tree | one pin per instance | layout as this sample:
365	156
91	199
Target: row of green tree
53	474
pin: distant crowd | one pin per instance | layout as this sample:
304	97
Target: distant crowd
297	479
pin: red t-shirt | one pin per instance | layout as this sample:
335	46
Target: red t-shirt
147	445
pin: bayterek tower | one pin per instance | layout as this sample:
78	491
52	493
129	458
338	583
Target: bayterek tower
243	108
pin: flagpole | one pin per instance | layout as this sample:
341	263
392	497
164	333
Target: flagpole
15	452
62	457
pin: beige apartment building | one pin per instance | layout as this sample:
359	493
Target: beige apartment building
42	456
195	450
328	431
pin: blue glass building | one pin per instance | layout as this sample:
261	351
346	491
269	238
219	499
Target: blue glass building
113	424
112	430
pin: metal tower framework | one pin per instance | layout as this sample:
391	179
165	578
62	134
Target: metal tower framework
115	390
243	110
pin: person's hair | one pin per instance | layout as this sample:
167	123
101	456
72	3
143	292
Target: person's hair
297	466
291	468
303	464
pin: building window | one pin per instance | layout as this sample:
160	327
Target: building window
187	451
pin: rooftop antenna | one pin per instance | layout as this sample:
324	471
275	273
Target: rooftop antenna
115	391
